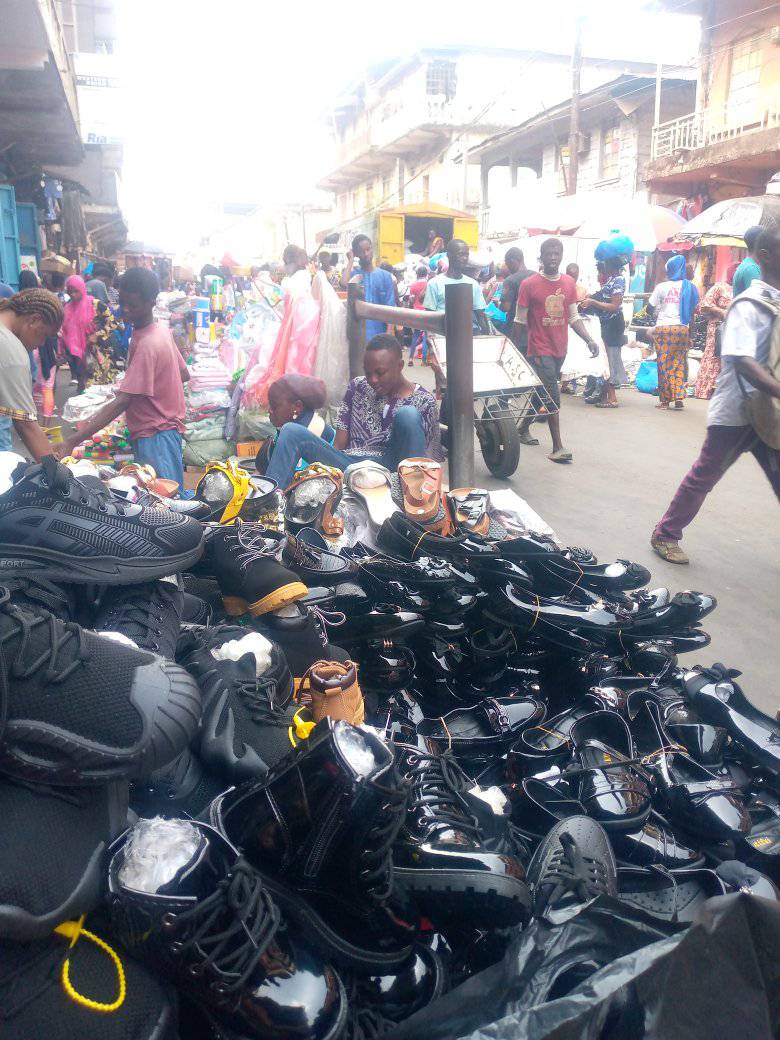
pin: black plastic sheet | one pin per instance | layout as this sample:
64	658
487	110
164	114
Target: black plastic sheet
615	973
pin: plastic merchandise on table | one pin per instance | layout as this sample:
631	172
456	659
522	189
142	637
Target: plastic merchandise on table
612	972
81	407
516	515
200	403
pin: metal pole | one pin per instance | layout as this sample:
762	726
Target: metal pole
356	330
574	120
459	306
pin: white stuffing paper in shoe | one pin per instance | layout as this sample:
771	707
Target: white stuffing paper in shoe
252	643
156	851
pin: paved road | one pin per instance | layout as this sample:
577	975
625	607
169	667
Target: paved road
627	464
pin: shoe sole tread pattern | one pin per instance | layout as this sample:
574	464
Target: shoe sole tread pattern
321	936
170	723
505	898
85	570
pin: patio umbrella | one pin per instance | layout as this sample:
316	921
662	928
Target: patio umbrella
645	223
724	223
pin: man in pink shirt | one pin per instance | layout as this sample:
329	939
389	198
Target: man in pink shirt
152	392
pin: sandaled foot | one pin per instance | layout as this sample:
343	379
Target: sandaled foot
606	404
526	438
561	455
669	551
663	405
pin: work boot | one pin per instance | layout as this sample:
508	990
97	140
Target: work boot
302	637
321	828
441	857
668	550
183	900
334	692
251	580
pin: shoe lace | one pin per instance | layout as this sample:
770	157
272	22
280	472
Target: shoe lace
60	635
257	695
231	948
138	606
436	784
377	855
323	618
251	543
45	593
569	870
59	480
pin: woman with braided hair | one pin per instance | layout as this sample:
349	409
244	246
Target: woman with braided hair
26	319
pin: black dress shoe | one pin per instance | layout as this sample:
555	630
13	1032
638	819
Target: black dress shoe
484	731
387	667
654	844
610	790
440	855
557	573
396	995
384	622
762	842
718	699
538	805
212	928
427	573
673	895
315	566
403	537
705	803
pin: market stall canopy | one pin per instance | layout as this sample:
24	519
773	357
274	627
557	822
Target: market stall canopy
724	223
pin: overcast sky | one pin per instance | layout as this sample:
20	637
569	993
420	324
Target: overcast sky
225	99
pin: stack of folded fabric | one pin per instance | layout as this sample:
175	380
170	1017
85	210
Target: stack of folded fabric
270	785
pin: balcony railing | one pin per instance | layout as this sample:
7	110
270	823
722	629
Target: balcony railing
713	125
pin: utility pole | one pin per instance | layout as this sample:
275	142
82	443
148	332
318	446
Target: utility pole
574	122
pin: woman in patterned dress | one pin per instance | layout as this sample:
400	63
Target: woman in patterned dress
713	308
672	303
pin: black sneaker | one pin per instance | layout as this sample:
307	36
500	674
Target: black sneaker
34	1002
246	717
211	926
195	611
36	594
52	852
573	865
441	857
80	708
251	580
70	531
149	614
184	788
321	827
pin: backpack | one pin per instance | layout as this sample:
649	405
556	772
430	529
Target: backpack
763	409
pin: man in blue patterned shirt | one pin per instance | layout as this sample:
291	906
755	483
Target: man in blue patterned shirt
383	417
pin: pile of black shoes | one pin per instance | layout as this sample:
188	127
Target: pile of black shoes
253	786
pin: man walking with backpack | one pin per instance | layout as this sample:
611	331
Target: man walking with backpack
744	411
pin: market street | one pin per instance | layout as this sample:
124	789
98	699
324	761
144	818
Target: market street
627	465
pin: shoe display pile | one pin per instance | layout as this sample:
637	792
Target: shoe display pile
261	784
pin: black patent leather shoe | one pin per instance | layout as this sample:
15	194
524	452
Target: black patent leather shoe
440	856
484	731
611	791
538	805
403	537
395	996
387	668
654	844
558	573
212	927
426	573
718	699
321	827
384	622
707	804
540	747
315	566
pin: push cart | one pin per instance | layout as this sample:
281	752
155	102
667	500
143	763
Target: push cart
506	391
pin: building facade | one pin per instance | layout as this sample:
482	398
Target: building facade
402	133
728	144
616	126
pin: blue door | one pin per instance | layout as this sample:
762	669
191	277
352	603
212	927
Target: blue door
27	223
9	237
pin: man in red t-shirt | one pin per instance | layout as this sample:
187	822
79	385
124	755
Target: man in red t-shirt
547	304
152	392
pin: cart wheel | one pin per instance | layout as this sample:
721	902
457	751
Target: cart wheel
500	443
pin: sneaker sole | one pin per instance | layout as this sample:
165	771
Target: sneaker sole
502	900
102	570
170	721
320	936
235	606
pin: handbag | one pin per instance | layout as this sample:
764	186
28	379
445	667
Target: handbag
763	409
647	377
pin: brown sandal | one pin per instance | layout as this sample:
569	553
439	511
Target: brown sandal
420	481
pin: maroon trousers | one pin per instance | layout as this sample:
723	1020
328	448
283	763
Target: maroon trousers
722	446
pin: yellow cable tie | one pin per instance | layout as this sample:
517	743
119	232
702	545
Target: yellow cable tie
73	930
